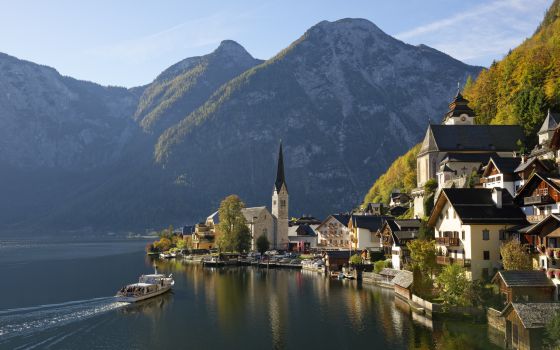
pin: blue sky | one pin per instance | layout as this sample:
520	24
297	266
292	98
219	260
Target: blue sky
127	43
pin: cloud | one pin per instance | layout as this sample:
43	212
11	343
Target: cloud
482	33
184	37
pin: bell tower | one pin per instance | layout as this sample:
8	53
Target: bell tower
459	112
280	199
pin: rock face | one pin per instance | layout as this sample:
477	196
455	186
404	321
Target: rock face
345	98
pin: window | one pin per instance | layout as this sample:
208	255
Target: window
447	214
485	235
503	235
486	254
463	235
454	214
282	203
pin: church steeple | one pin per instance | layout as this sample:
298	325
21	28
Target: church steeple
459	111
280	178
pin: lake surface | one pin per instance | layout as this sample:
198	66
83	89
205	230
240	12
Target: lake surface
58	296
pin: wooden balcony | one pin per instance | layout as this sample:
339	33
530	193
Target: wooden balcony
446	260
448	241
537	200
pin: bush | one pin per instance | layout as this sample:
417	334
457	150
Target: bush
378	266
355	259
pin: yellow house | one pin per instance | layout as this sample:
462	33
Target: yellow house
470	226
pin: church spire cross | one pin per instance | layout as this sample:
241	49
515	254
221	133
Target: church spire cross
280	177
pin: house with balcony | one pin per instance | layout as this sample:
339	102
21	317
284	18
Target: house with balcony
528	167
470	225
364	231
539	197
333	232
395	234
499	172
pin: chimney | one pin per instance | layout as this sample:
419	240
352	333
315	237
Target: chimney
523	158
497	196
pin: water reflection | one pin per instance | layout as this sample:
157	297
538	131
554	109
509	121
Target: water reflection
295	309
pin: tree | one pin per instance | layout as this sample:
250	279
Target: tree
425	232
164	244
233	233
552	333
355	259
166	233
181	244
262	244
515	256
454	286
423	255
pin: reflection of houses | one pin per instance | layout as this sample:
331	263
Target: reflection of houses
395	234
363	231
460	141
524	286
525	324
500	172
333	232
470	226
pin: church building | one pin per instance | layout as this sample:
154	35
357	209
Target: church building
451	151
280	202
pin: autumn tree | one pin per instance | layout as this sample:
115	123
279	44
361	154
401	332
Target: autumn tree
423	256
233	231
454	286
515	256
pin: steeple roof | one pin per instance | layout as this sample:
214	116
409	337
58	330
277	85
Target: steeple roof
458	106
280	178
550	122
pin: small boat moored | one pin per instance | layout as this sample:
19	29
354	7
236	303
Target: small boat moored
148	286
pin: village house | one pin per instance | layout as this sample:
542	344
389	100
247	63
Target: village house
500	173
399	199
302	234
470	225
539	197
544	149
204	235
395	234
402	283
261	223
333	232
364	231
373	209
524	286
525	324
465	145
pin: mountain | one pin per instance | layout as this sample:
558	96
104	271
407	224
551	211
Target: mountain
516	90
188	84
345	98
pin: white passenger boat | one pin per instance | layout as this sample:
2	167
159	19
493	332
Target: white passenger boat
148	286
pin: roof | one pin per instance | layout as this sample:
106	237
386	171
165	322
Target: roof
533	229
533	278
370	222
342	218
476	206
531	162
250	213
338	254
550	122
459	106
505	165
471	138
215	217
398	210
389	272
533	181
280	178
404	279
534	315
467	157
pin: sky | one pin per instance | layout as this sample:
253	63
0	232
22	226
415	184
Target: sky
128	43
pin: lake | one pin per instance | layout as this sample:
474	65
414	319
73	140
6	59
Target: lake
58	295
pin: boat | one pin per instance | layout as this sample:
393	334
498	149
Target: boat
148	286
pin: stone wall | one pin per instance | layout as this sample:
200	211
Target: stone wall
496	320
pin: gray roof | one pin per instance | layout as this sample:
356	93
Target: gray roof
252	212
389	272
535	315
471	138
403	279
533	278
550	122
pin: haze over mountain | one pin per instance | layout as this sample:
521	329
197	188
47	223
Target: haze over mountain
345	98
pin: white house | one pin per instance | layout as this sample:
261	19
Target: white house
333	232
471	224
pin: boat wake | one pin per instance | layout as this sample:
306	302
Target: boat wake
24	321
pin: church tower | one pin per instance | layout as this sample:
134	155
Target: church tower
459	112
280	205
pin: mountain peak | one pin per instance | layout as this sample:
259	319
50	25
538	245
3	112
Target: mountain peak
232	49
348	25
